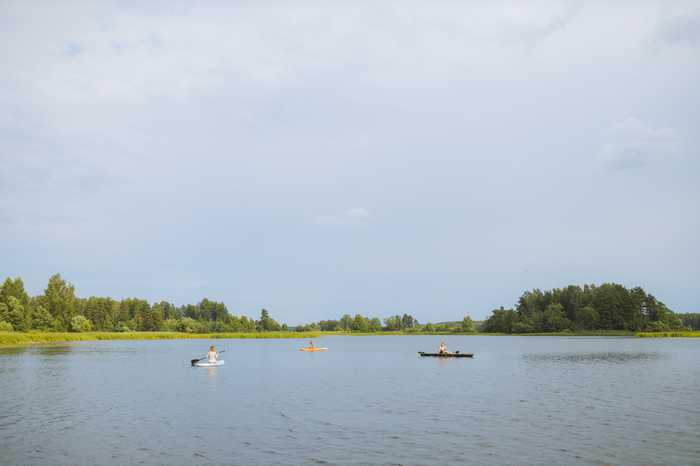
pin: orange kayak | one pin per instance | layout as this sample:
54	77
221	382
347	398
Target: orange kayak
313	349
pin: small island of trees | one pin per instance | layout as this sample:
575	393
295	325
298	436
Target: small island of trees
606	307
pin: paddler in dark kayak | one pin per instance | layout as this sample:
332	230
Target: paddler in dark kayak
443	348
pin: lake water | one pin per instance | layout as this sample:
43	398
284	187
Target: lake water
366	401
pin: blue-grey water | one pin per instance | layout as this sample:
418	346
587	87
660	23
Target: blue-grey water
366	401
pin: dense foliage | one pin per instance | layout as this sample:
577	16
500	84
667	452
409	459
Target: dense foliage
397	323
59	309
589	308
691	320
606	307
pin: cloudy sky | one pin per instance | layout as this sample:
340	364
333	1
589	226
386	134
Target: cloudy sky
317	158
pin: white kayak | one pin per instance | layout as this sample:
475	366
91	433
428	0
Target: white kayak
209	364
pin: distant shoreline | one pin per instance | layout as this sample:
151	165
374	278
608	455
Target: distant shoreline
38	338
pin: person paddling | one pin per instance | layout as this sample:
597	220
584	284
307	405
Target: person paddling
212	355
443	348
311	344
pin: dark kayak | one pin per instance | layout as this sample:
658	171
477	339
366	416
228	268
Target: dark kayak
447	355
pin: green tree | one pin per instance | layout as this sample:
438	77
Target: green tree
586	318
345	322
16	314
80	323
41	319
393	322
375	325
554	319
468	325
501	321
610	300
408	322
59	300
266	323
102	312
14	288
360	323
690	320
187	325
328	325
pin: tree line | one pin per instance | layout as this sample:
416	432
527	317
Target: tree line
609	306
59	309
691	320
606	307
396	323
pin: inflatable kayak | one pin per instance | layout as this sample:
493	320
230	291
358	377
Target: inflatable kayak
313	349
447	355
209	364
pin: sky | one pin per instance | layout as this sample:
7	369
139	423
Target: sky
317	158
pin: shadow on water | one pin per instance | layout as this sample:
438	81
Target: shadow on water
608	357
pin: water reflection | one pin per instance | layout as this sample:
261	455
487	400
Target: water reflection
211	373
608	357
12	350
444	362
53	350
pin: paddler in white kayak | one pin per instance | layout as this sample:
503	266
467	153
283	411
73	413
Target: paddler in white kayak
212	355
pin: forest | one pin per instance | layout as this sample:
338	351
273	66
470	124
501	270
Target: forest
691	320
609	306
589	308
58	309
405	323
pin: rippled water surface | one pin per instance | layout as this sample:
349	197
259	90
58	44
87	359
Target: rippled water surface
368	400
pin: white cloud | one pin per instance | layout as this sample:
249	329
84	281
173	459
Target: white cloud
351	217
632	144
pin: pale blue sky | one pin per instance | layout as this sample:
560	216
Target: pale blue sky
318	158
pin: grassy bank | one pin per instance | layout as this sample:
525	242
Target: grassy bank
31	338
676	334
585	333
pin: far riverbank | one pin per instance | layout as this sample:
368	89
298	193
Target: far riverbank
34	338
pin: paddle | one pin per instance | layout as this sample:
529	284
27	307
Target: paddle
195	361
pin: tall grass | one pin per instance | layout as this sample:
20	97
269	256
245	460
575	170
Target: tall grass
30	338
675	334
